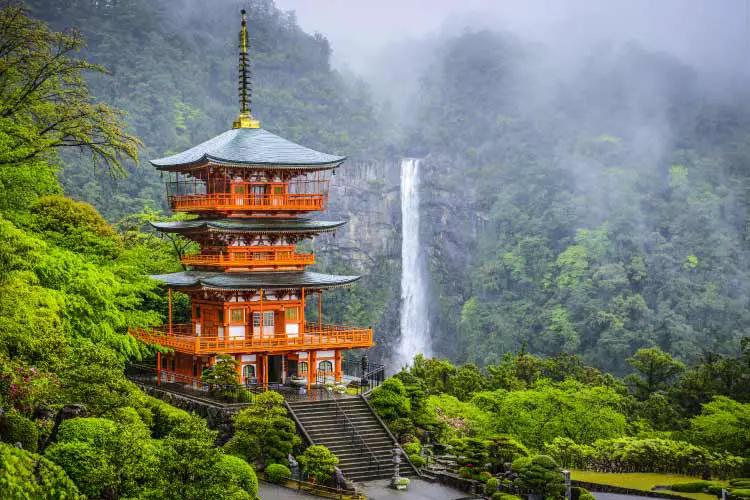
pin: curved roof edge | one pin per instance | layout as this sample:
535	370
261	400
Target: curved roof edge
274	226
249	148
205	280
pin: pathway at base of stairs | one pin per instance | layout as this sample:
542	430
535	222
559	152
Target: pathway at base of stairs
418	490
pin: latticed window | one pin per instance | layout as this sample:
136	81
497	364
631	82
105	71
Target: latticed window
248	371
325	367
302	368
292	313
238	315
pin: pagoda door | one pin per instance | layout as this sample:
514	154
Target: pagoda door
269	325
277	197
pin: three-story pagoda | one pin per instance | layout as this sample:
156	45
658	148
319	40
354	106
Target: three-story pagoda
252	192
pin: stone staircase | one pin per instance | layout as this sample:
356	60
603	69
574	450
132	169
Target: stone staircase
350	429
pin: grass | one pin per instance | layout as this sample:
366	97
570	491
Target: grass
640	481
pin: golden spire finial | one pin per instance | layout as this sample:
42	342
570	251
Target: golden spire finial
245	120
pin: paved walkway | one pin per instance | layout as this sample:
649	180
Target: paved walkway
418	490
267	491
618	496
374	490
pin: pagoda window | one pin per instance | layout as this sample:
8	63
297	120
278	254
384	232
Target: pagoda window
238	316
302	368
198	312
221	316
248	372
292	313
325	367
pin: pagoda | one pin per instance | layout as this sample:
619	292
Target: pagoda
252	192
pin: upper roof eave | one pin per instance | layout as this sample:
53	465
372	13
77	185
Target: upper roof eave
207	161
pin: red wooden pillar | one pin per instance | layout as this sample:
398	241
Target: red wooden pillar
158	368
312	368
302	315
238	358
265	369
337	373
169	294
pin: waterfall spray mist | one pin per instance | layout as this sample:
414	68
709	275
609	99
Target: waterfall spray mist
415	335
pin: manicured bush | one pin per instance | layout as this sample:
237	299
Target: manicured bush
739	481
715	489
742	493
27	475
85	464
691	486
277	473
417	460
15	428
499	495
89	430
236	472
389	400
542	476
490	487
484	476
584	494
465	473
520	463
318	462
412	447
165	417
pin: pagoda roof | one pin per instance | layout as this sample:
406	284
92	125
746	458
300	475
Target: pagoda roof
253	280
249	148
264	225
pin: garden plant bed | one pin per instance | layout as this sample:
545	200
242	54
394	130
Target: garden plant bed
642	481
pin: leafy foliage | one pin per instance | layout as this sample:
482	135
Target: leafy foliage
27	475
318	462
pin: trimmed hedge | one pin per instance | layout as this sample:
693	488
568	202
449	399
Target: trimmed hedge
490	487
743	493
692	486
417	460
15	428
278	473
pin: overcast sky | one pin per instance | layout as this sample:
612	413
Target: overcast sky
713	32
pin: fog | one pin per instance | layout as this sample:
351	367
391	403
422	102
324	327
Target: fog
707	33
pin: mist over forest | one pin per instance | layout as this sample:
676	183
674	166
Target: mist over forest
584	185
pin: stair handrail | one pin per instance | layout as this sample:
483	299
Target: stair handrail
388	430
297	421
356	435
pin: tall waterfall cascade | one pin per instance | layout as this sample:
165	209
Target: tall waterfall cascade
415	334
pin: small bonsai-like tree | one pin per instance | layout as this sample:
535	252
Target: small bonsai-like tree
319	463
543	477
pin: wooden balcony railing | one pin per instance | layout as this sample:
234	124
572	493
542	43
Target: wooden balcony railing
248	202
262	257
182	339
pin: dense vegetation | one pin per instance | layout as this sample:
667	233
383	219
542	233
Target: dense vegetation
659	419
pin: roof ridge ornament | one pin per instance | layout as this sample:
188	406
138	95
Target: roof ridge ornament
245	119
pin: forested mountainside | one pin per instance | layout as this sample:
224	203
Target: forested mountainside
173	70
593	206
590	208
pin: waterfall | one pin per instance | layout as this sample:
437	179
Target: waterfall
415	335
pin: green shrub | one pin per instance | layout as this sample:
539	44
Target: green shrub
715	489
490	487
542	476
389	400
739	481
166	418
465	473
691	486
584	494
417	460
236	472
277	473
412	447
484	476
499	495
27	475
85	464
520	463
742	493
318	461
15	428
88	430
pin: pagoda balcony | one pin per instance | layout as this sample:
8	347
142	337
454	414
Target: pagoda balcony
227	202
252	257
182	338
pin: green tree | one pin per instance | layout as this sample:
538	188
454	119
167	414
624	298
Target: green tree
543	477
263	432
45	103
723	425
389	400
318	462
655	368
